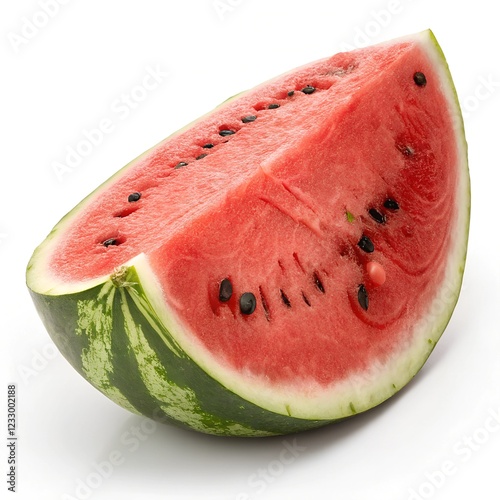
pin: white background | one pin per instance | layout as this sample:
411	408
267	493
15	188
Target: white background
68	74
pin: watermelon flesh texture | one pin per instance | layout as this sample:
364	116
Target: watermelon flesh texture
358	148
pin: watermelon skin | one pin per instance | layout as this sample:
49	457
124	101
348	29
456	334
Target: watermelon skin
121	337
112	336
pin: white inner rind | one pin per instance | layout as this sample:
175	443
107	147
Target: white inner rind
38	276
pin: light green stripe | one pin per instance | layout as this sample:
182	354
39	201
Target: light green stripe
147	311
95	321
177	402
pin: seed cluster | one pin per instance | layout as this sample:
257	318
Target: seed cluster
247	300
224	132
375	270
227	132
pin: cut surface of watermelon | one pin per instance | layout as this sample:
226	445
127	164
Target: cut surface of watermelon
287	260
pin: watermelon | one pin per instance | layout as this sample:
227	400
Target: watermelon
288	260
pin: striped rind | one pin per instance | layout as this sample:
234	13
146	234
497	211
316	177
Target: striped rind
113	337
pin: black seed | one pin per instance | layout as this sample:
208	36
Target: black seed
366	244
318	283
391	204
419	79
309	89
406	150
264	304
273	106
377	216
290	93
181	164
226	132
306	300
110	241
134	197
199	157
363	297
285	299
248	119
247	303
225	290
208	146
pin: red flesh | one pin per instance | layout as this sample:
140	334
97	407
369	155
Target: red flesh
267	209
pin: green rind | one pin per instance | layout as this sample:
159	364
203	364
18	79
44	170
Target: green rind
111	335
465	199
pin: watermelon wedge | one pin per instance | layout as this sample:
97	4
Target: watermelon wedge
288	260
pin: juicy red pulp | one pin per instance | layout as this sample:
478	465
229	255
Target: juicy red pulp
266	210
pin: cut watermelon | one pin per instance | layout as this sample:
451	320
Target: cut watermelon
288	260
